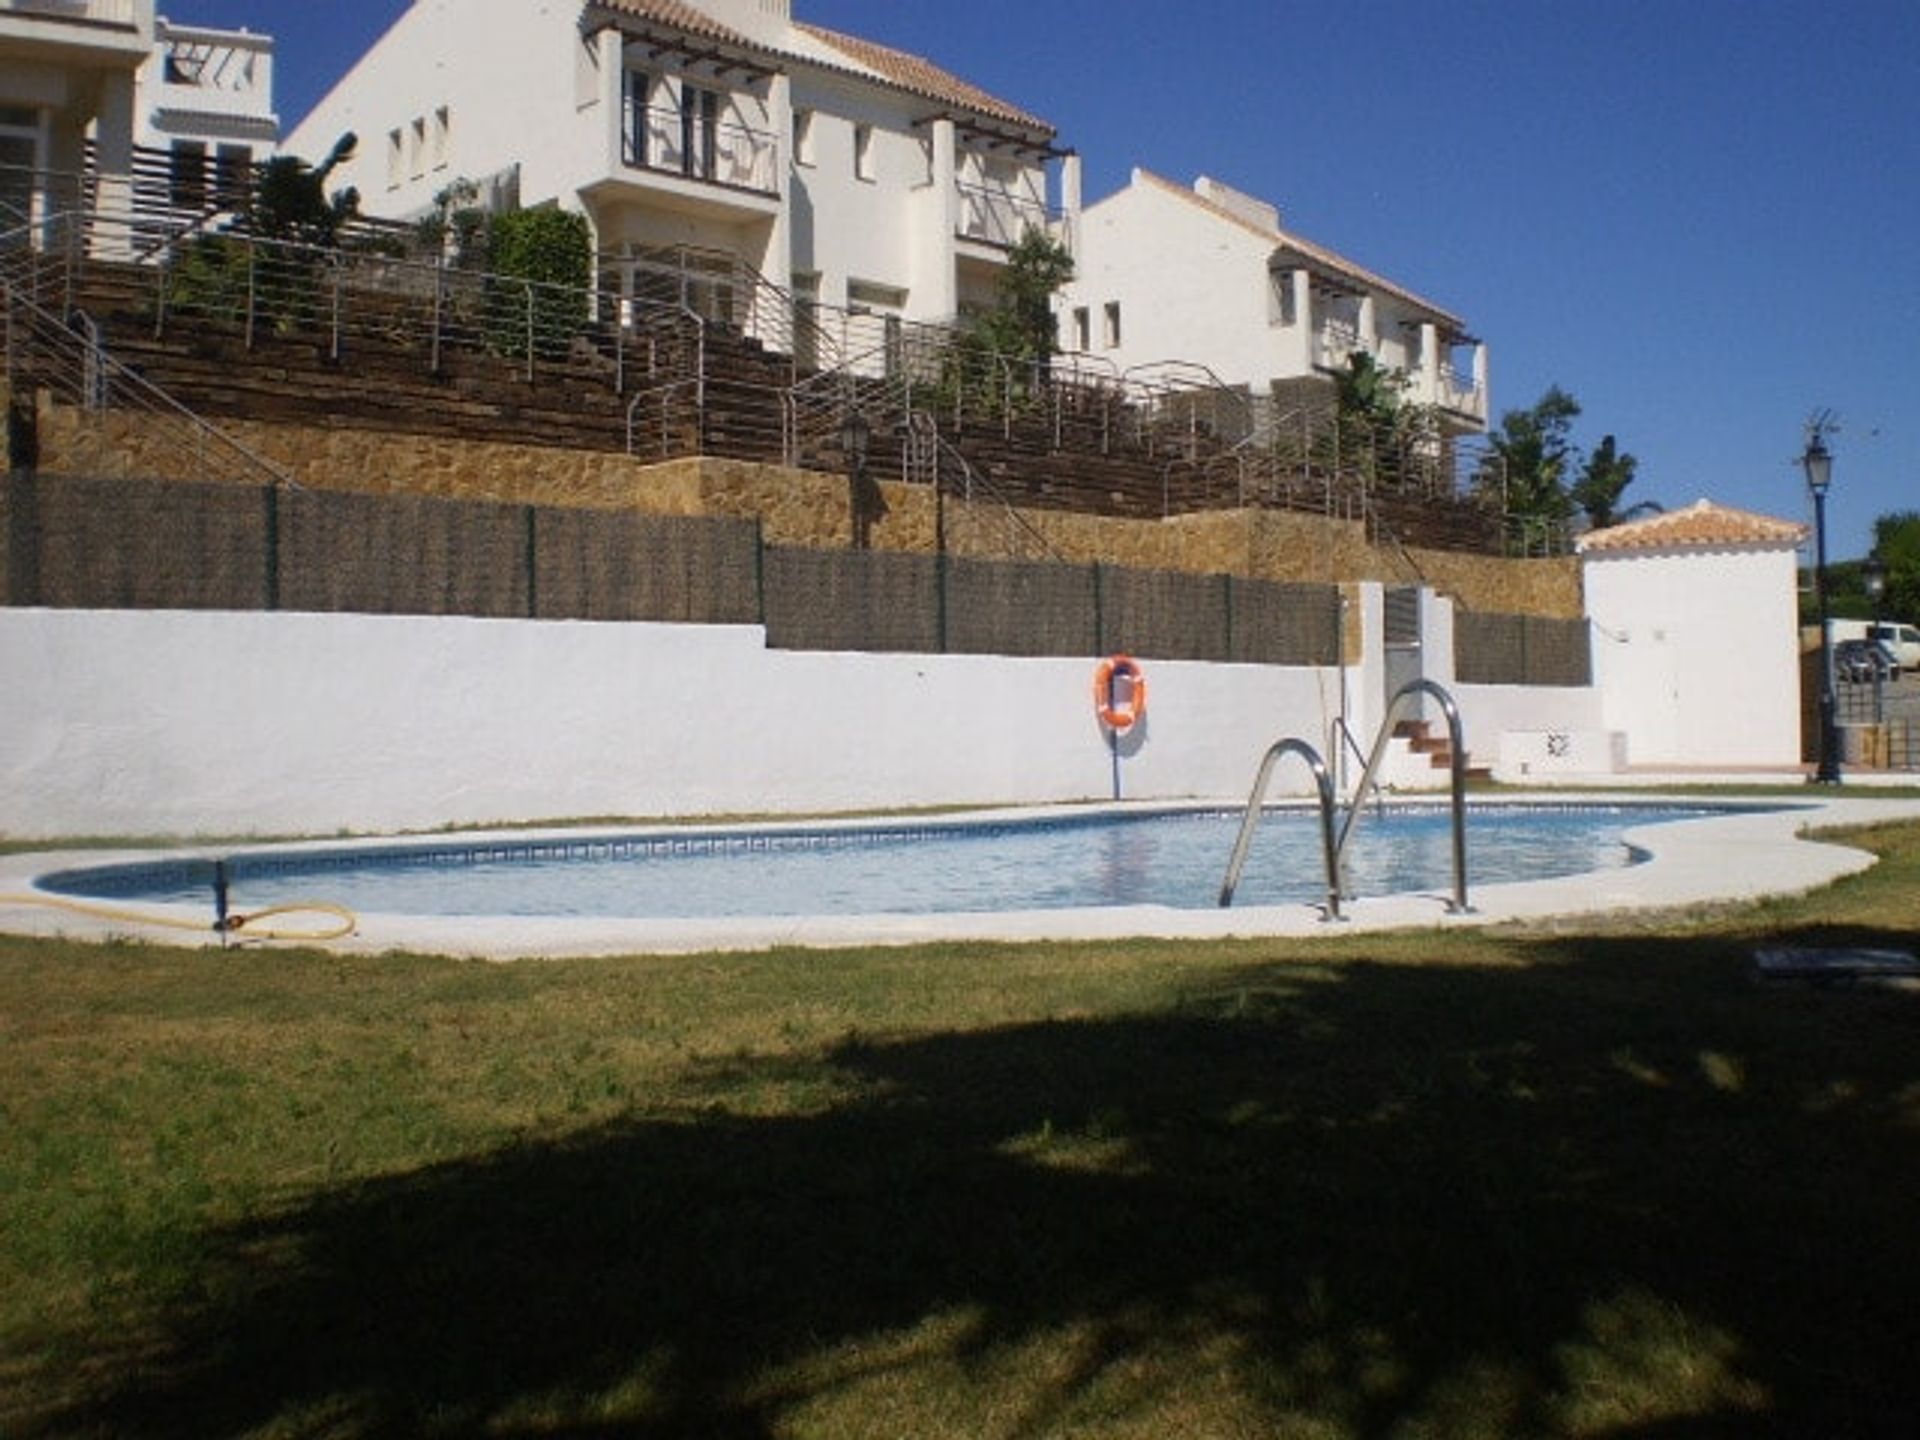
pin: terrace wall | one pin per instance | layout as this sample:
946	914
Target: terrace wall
801	507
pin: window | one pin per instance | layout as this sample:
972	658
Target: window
187	174
233	175
699	131
863	152
20	152
634	148
803	137
396	159
442	137
1280	297
1112	322
1082	329
417	154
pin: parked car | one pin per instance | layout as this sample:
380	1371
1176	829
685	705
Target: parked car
1857	662
1902	640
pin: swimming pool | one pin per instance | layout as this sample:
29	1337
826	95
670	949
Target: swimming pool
1171	857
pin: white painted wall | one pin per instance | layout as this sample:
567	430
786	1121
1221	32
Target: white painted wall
1190	285
1195	284
1696	653
517	85
504	72
184	723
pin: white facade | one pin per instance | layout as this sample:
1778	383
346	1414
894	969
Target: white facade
1696	639
1207	275
205	97
67	69
701	135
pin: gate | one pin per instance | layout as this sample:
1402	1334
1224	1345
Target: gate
1401	643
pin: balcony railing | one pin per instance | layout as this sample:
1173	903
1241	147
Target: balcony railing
1457	391
675	142
1334	344
998	217
99	12
217	76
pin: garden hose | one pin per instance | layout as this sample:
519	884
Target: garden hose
242	925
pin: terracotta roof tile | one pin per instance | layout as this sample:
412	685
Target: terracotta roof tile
1703	525
921	76
679	16
896	67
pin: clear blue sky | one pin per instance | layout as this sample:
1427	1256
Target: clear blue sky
1701	217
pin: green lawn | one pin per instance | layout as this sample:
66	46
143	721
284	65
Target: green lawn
1594	1183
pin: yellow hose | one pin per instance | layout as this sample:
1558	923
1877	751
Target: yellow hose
347	921
237	924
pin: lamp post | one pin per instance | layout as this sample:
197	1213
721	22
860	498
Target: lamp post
1819	467
1873	574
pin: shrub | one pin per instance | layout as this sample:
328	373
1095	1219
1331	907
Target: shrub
542	263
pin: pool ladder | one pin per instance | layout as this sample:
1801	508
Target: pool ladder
1334	846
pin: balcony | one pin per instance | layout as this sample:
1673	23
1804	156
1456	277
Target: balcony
708	164
1457	392
1335	343
118	33
92	12
215	72
998	218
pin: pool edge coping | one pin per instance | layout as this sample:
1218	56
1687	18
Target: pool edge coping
1688	864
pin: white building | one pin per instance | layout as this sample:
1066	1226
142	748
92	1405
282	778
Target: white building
702	135
1696	648
1207	275
205	97
67	70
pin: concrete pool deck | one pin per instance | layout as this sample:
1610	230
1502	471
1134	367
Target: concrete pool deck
1738	856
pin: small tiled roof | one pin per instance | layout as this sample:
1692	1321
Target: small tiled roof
922	77
898	68
1315	255
1702	525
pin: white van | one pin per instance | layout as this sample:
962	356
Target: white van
1902	640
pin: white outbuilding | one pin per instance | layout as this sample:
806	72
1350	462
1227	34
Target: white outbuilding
1695	636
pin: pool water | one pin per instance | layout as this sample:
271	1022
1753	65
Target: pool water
1175	859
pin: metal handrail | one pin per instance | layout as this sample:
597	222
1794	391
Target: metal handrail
1244	841
1413	688
101	376
1349	744
1017	524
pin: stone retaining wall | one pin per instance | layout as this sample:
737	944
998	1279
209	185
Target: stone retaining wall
796	507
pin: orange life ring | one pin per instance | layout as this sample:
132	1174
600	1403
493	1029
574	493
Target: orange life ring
1116	715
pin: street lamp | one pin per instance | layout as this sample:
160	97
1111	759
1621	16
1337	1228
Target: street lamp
1819	467
1873	574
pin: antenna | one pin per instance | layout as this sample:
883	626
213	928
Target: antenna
1822	423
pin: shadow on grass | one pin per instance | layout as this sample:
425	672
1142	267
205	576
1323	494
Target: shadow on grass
1622	1191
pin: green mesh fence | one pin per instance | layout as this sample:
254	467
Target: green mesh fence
1521	650
81	542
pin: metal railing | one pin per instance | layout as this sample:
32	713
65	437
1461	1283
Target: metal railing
999	217
65	357
1021	538
676	142
1396	707
648	331
1243	842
